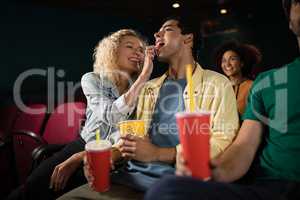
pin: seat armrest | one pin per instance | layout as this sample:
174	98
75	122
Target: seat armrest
43	152
30	134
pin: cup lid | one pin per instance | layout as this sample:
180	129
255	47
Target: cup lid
190	114
98	145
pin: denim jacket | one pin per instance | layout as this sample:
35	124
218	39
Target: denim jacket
105	107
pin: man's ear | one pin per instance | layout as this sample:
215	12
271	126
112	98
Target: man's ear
189	38
290	25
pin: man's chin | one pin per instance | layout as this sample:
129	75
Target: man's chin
162	58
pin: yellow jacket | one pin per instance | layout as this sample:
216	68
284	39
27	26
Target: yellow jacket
213	92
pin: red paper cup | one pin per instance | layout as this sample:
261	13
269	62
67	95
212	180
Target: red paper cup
194	134
98	157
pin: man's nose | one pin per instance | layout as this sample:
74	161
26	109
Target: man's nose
157	34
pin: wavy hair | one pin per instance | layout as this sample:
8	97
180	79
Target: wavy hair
105	53
287	4
248	54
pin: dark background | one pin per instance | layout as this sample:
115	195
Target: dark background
63	33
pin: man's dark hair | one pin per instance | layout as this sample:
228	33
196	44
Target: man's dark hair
287	6
189	25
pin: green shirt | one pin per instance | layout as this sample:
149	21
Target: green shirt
274	100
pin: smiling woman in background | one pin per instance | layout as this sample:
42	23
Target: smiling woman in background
237	61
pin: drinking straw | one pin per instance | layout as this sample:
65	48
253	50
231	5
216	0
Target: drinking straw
97	135
189	71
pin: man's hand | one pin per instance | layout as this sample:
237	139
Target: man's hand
139	148
216	169
181	168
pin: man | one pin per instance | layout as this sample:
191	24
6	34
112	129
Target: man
273	105
154	156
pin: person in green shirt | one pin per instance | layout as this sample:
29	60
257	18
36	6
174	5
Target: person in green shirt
270	132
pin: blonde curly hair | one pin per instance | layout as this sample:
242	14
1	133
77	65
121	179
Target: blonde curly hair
105	53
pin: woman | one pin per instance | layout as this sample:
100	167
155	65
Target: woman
236	61
111	98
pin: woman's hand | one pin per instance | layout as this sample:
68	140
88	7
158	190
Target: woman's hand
63	171
115	156
138	148
88	173
181	168
132	94
148	62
